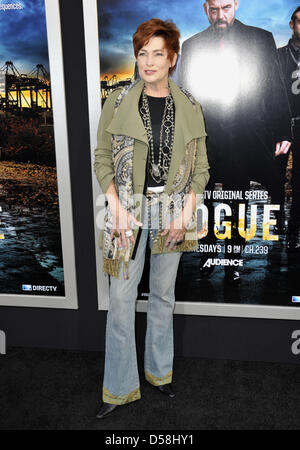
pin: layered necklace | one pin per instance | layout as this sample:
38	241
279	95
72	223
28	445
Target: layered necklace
295	60
159	169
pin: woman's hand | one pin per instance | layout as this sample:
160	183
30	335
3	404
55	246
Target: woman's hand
123	222
177	228
282	148
176	231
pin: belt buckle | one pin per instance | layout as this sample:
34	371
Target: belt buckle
153	194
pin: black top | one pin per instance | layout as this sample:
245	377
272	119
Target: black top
289	59
156	108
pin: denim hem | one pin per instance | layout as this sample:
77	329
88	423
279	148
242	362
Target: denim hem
107	397
156	381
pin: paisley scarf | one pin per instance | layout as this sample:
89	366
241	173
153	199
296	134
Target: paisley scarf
122	154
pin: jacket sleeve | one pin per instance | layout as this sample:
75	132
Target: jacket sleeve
103	161
182	67
201	173
278	107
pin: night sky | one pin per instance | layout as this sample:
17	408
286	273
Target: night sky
118	20
23	38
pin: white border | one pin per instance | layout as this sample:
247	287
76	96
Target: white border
69	301
90	16
189	308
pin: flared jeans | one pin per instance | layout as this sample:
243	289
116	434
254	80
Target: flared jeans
121	382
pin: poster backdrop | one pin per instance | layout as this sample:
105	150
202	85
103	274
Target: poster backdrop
31	256
242	257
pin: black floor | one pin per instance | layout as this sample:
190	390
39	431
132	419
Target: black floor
58	389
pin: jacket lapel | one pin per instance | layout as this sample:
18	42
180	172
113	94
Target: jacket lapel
128	121
189	125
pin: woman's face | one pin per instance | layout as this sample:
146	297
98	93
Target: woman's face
153	62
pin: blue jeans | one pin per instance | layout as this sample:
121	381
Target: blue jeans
121	378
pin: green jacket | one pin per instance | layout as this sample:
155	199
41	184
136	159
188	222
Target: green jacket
189	125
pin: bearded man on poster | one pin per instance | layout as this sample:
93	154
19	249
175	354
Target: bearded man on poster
233	71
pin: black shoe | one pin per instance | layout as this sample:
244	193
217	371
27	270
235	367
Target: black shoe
105	410
292	238
293	243
232	276
280	228
166	389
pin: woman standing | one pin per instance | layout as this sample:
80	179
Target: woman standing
151	163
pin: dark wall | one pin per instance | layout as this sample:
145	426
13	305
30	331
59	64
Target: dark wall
211	337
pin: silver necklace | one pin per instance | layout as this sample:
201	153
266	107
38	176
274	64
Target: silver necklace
159	169
297	62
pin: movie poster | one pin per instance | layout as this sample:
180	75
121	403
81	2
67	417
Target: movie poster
30	224
248	247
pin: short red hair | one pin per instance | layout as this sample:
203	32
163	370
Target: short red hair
157	27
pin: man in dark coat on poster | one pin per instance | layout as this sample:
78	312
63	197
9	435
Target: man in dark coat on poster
289	57
233	70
